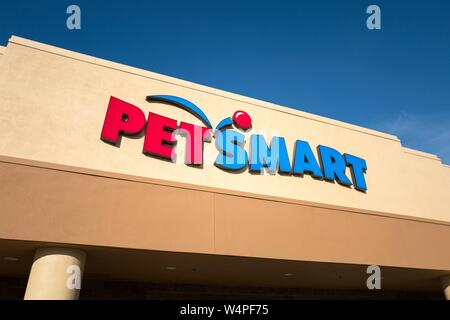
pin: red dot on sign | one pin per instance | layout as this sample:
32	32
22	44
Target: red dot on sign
242	119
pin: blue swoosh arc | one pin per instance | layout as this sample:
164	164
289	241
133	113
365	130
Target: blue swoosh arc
183	104
224	123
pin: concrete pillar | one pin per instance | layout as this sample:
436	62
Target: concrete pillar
55	273
445	281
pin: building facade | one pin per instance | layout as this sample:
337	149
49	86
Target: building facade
132	179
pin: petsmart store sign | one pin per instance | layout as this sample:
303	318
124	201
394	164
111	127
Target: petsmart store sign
123	118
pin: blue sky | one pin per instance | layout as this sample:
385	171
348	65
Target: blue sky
316	56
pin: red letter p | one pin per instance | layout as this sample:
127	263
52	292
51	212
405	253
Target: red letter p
121	117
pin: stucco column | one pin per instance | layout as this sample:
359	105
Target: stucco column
445	281
55	274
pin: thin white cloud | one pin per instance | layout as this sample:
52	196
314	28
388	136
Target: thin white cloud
424	132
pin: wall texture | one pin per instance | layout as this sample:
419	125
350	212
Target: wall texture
2	52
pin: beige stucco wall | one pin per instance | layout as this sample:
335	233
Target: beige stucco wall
2	52
53	103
